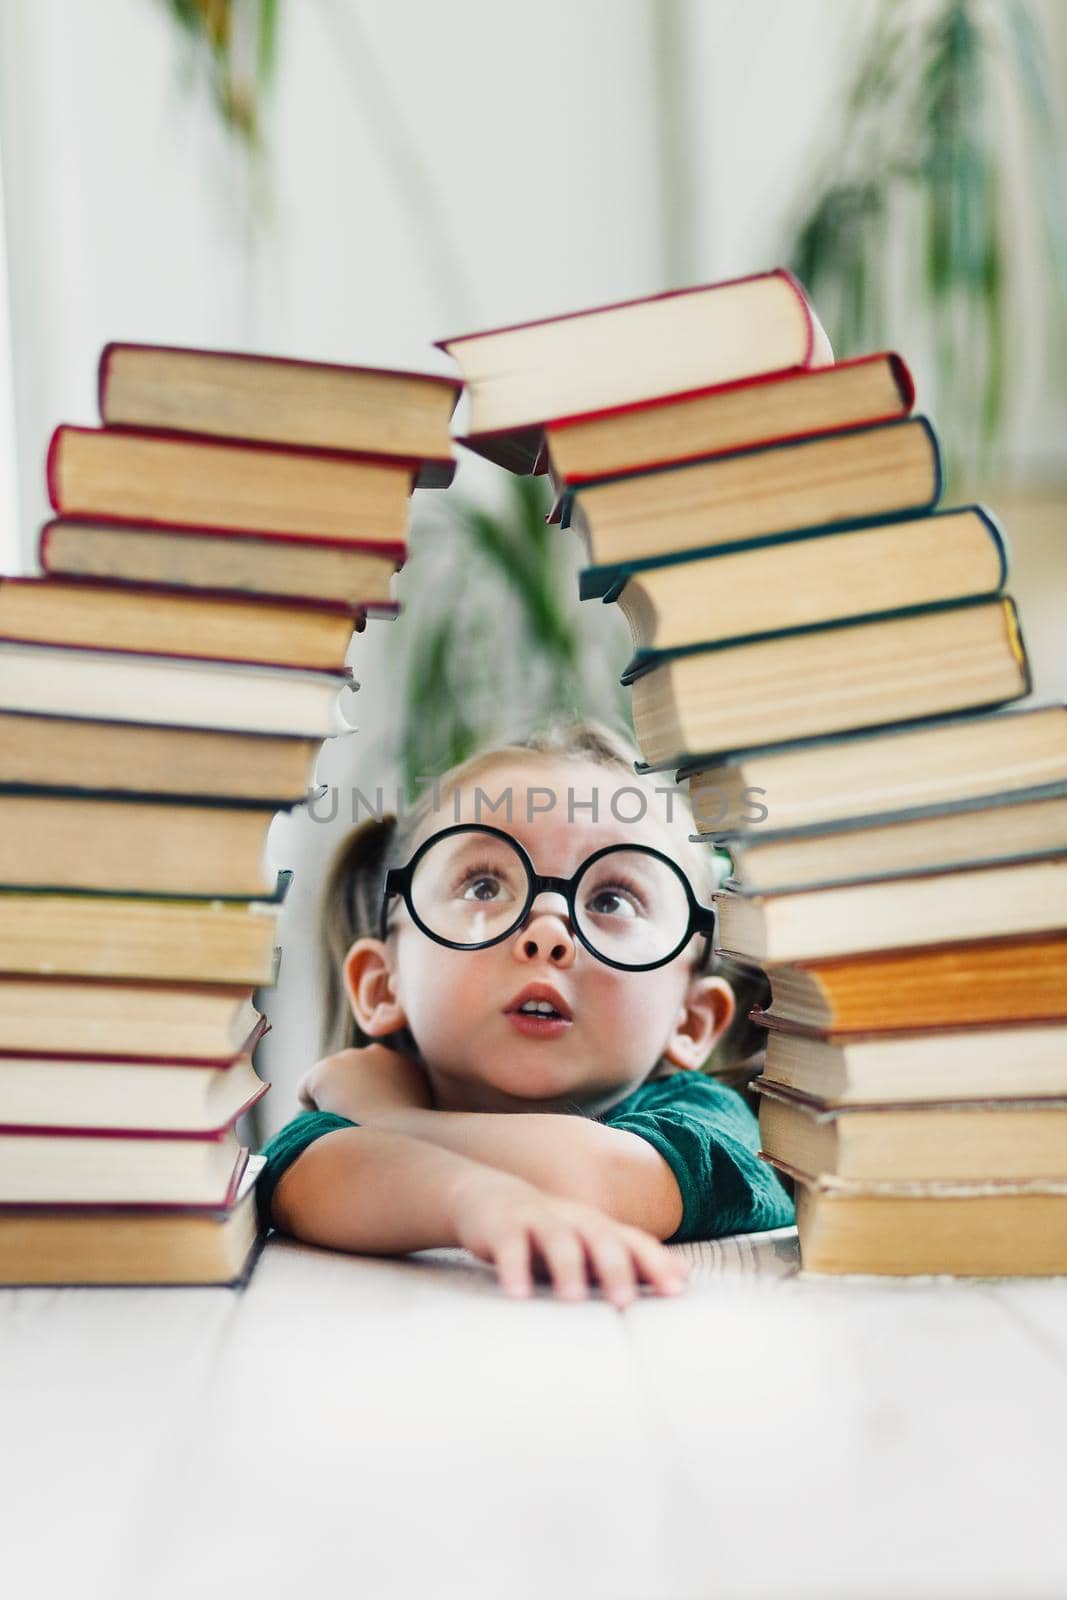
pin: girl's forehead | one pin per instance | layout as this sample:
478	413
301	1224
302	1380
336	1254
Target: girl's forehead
560	811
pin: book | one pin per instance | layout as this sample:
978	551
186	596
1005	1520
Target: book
139	758
918	1065
124	1096
978	1230
93	1018
120	474
890	773
352	574
982	983
731	416
719	699
134	617
143	1245
1032	823
66	1166
800	583
126	845
518	376
930	908
116	936
179	692
967	1141
722	502
313	404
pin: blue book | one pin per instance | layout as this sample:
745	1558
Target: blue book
905	668
826	481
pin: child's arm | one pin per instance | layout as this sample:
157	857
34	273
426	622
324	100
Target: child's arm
376	1192
569	1156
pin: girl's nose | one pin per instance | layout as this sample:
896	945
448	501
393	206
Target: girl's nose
546	933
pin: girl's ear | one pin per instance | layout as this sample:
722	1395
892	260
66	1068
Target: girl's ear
370	984
706	1012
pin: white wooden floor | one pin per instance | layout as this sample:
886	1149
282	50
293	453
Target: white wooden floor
399	1428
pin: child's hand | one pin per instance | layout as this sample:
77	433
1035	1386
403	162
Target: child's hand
498	1217
361	1084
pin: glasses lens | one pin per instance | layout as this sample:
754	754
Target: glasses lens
469	887
632	907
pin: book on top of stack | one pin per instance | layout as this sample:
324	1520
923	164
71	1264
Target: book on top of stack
825	652
164	690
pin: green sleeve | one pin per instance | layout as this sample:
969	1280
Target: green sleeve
288	1143
709	1139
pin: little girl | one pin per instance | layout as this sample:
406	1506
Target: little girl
519	1003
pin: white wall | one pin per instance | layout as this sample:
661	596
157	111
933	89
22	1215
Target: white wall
432	167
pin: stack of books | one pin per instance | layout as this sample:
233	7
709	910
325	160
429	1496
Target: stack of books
822	651
164	691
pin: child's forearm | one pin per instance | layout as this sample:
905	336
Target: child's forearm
372	1191
569	1156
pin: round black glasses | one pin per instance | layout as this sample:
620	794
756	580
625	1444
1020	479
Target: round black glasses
471	885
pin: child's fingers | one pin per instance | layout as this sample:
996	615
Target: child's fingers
564	1259
657	1266
511	1257
612	1260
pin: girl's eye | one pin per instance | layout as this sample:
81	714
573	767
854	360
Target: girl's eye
482	888
480	883
616	900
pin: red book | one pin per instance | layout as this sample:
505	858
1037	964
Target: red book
276	400
353	575
637	350
154	479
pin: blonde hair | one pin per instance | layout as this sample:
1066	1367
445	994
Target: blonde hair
352	893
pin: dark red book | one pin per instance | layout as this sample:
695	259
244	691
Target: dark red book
277	400
160	479
352	575
773	408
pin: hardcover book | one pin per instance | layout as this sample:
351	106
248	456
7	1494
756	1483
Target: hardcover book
518	376
354	575
832	679
750	412
312	404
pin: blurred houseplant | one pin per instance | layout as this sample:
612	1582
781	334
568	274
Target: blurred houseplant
911	225
232	46
493	629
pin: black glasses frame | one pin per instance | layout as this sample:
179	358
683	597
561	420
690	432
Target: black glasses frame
702	919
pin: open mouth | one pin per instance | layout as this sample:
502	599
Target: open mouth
539	1012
